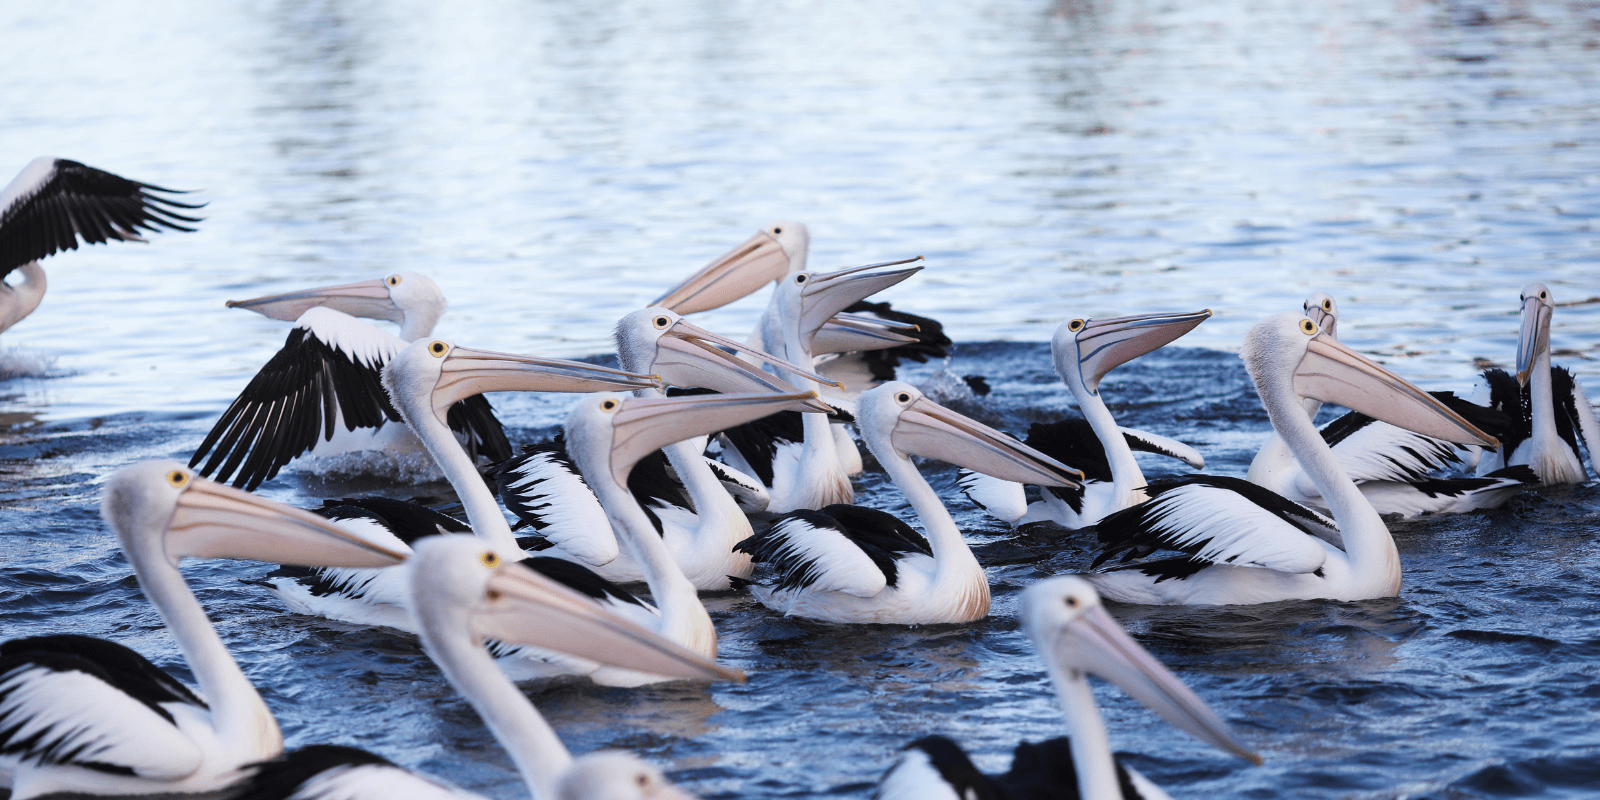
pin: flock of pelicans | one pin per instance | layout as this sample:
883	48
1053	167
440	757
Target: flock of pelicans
628	494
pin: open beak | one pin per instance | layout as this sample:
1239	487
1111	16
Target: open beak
930	430
742	271
527	608
850	333
825	295
1333	373
1096	642
1104	344
646	424
216	521
467	372
688	355
367	299
1534	336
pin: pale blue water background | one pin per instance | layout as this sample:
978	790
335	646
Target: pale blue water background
554	165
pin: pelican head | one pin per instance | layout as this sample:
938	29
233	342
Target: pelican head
896	416
408	299
1074	635
1533	340
160	510
1086	349
615	775
776	251
430	375
608	433
659	341
1289	358
1322	309
805	301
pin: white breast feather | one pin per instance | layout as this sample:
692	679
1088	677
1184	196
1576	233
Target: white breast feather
375	782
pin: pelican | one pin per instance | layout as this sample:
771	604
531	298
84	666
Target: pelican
1075	636
322	392
1085	350
1244	544
805	462
1395	468
850	564
608	433
689	506
465	593
1549	410
53	202
89	716
779	251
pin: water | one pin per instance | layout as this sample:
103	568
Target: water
555	165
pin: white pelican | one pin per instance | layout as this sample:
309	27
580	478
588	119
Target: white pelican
465	593
1075	636
608	433
683	494
1550	412
52	202
85	715
1395	468
1084	351
806	462
322	392
851	564
1244	544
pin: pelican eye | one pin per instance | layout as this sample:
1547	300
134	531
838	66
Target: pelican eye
801	278
1308	327
777	230
438	348
903	398
1544	295
662	322
608	405
177	478
490	559
642	779
1075	325
392	280
1327	305
1072	601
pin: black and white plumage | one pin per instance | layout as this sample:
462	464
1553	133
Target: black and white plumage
1083	352
322	392
1398	470
823	550
860	370
90	716
53	203
1244	544
1074	635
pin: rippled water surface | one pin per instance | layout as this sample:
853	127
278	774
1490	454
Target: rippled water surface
554	165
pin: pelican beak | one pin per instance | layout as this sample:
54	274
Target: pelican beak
524	607
1104	344
825	295
467	372
1333	373
368	299
644	425
1095	641
1325	319
216	521
691	356
849	333
930	430
1534	336
738	273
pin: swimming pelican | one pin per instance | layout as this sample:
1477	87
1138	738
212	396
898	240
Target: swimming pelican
689	505
1395	468
322	392
1244	544
52	202
465	593
881	335
1084	351
851	564
805	463
85	715
608	433
1549	410
1075	636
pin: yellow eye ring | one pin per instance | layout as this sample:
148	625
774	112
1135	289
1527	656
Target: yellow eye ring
608	405
1075	325
903	398
662	322
1308	327
1327	305
490	559
438	348
177	479
392	280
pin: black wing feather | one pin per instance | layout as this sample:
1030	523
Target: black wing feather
881	536
930	340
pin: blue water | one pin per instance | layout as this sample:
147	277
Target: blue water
554	165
